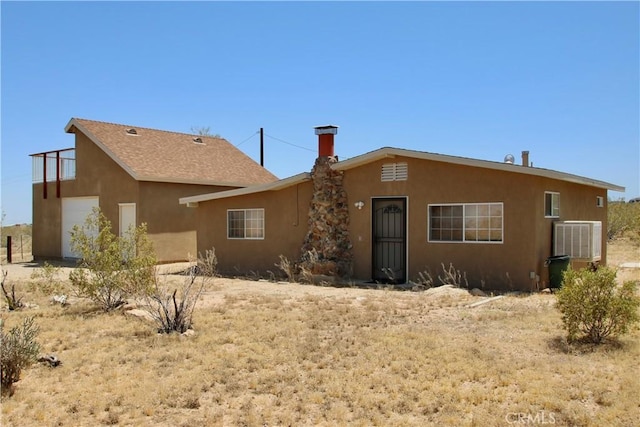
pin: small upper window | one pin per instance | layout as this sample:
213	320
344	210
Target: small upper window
600	201
551	204
394	172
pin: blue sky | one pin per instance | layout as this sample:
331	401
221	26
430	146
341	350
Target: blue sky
480	80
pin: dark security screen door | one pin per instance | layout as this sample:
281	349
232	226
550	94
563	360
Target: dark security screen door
389	240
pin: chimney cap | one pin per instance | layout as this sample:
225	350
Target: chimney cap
326	129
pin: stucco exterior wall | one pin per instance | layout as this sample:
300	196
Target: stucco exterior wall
527	234
96	175
286	213
527	238
171	227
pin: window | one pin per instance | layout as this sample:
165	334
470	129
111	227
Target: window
600	201
551	204
470	222
394	172
245	224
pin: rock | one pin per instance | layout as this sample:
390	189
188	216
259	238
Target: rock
50	359
59	299
477	292
546	291
188	333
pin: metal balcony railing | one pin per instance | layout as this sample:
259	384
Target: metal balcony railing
54	166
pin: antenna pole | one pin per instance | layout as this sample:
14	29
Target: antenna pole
262	147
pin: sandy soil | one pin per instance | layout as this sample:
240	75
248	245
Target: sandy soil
222	287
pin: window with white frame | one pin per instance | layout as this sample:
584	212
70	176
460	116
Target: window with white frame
245	224
600	201
551	204
468	222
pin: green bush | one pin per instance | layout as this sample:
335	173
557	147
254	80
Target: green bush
594	306
18	351
46	279
623	220
112	268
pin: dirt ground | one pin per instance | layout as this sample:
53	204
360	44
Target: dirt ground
620	253
342	356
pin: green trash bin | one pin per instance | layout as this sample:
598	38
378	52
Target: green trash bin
557	266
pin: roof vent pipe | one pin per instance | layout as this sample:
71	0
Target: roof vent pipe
325	139
525	158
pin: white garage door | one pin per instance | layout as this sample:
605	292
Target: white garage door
74	212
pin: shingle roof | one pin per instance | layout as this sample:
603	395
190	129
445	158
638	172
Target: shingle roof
163	156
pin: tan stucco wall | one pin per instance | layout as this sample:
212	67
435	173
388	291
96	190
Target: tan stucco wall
171	227
96	175
286	213
527	233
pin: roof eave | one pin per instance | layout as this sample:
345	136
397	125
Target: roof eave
73	123
192	201
193	182
389	152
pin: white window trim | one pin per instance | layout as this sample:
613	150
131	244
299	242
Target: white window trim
245	224
552	206
473	242
600	201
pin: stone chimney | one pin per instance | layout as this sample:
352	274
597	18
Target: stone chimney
325	139
525	158
327	248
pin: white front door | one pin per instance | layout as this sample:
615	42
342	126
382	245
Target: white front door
74	212
127	217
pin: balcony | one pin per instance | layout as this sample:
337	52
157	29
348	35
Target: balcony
54	166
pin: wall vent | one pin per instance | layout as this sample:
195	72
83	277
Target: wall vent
395	172
580	240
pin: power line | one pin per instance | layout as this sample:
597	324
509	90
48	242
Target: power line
289	143
252	135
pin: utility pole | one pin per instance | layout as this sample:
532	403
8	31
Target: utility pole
262	147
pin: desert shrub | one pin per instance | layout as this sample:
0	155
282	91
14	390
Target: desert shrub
46	279
423	282
171	307
287	267
13	302
623	219
18	351
451	276
594	306
112	267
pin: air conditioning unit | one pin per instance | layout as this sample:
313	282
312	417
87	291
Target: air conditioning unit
581	240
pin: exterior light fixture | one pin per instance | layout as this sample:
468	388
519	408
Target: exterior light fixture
359	204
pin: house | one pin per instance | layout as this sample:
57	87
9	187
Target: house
394	213
134	175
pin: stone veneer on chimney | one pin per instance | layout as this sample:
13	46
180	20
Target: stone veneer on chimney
328	224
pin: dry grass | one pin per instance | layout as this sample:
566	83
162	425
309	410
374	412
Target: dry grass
288	354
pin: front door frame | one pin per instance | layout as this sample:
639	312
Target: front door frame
405	204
